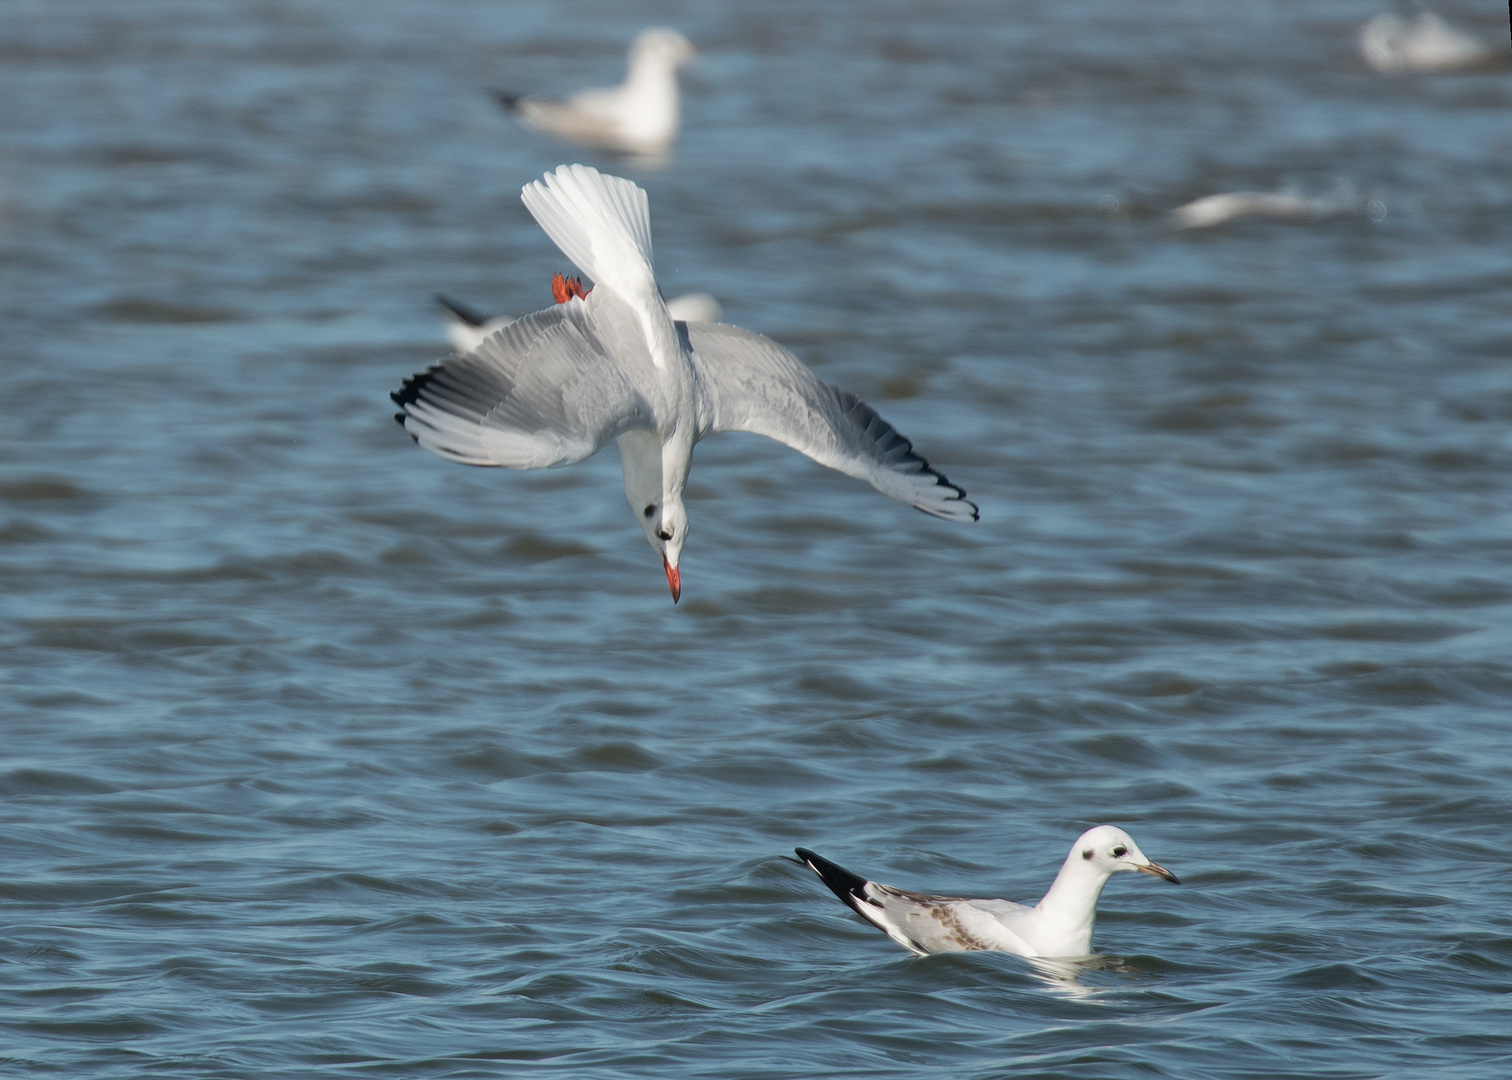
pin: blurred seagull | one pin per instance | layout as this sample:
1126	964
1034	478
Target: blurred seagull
640	116
1425	46
467	328
1060	925
611	364
1213	210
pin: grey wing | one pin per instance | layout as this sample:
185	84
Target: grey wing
541	392
748	382
933	924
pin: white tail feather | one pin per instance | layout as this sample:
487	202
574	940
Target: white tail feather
602	223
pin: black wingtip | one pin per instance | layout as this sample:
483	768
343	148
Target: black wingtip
409	390
468	315
896	451
959	497
960	493
849	887
509	101
976	512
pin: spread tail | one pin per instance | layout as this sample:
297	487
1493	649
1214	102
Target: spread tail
602	223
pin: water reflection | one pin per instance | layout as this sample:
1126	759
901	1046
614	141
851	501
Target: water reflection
1063	974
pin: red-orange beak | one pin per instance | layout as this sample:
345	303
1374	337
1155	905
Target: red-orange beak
674	580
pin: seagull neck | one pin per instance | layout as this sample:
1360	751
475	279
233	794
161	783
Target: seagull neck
650	74
650	94
1069	910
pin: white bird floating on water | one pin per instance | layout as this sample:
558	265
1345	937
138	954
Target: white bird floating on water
1060	925
640	116
1425	46
467	329
1213	210
611	364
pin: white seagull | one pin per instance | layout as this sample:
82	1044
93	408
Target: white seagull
467	329
611	365
1213	210
640	116
1425	46
1060	925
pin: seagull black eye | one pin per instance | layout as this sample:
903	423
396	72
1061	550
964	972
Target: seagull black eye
1120	851
650	510
664	534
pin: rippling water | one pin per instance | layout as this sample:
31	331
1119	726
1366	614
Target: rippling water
326	757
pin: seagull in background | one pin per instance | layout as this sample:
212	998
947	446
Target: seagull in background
1060	925
1425	46
1213	210
640	116
468	328
610	364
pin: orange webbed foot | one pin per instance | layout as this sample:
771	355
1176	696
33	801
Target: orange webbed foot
564	289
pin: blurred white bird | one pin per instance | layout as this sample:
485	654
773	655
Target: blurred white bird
1425	46
610	364
467	328
1059	925
1213	210
640	116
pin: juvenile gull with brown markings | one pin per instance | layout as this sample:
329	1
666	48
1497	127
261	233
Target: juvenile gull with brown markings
1060	925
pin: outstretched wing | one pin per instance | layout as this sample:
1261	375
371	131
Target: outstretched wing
543	391
747	382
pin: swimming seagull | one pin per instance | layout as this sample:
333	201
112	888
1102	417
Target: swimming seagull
640	116
1060	925
1213	210
1425	46
467	328
609	364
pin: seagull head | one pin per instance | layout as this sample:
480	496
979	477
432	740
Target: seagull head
665	524
663	45
1108	850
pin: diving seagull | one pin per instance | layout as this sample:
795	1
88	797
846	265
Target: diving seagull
640	116
1060	925
610	364
468	328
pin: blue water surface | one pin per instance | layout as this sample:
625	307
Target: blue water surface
325	757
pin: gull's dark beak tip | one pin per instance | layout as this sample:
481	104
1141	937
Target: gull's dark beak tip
1156	870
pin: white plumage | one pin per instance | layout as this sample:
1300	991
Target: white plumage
640	116
556	386
467	329
1213	210
1426	45
1060	925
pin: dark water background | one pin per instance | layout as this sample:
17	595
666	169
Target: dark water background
325	757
